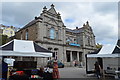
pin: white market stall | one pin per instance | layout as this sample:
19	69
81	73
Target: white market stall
109	60
24	48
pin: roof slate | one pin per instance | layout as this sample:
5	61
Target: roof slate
75	30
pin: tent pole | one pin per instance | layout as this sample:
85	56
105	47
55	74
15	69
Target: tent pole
43	61
103	71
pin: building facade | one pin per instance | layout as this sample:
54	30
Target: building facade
8	30
49	31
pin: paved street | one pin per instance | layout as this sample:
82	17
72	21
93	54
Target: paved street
72	72
75	72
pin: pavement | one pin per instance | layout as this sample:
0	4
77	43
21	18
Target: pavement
72	72
75	73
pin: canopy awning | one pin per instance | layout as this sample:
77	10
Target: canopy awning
103	55
24	48
108	51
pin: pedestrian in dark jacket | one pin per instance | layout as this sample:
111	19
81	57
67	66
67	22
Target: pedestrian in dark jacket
4	70
97	69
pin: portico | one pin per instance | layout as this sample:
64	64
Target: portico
72	56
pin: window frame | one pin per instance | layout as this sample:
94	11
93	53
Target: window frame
26	35
52	33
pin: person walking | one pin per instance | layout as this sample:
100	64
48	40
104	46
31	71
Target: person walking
55	73
97	69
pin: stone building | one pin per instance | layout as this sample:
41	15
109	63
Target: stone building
49	31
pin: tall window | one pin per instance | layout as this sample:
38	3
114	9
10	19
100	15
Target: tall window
21	36
26	35
57	36
50	49
52	33
56	53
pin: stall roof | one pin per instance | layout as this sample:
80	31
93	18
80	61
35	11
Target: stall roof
108	51
24	48
117	48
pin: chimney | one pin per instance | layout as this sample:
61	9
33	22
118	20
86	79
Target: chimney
36	17
44	9
83	25
52	6
76	27
87	23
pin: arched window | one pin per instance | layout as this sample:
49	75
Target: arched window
50	49
26	35
68	40
52	33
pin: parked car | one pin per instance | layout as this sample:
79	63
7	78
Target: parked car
50	64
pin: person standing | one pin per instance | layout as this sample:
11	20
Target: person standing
4	70
76	63
55	73
41	72
97	69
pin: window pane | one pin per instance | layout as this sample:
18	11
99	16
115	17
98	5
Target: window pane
56	35
52	33
26	35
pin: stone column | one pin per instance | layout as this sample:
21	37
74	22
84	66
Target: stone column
78	56
1	66
65	56
83	57
71	59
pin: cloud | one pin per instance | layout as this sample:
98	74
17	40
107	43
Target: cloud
20	13
105	27
104	23
103	17
105	7
69	20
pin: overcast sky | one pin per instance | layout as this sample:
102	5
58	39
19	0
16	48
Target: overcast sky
102	16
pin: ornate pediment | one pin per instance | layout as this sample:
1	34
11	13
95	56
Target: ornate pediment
52	21
52	10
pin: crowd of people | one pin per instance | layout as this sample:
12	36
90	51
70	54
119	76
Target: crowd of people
43	73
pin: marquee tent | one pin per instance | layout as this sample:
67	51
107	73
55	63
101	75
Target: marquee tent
108	56
23	48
